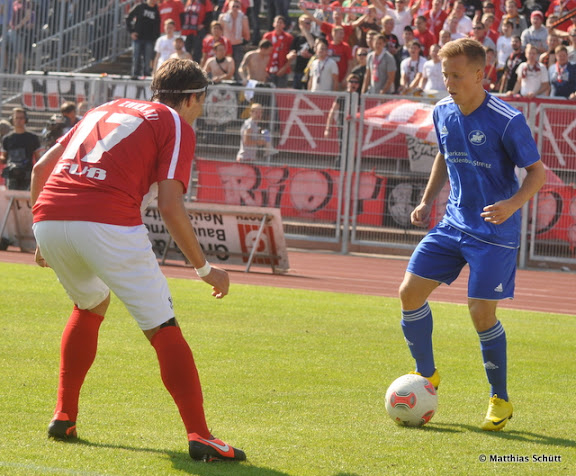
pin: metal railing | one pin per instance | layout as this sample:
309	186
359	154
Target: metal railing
64	36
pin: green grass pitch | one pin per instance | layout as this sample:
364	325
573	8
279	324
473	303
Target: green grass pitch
294	378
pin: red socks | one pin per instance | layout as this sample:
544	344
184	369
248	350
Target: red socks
77	353
180	377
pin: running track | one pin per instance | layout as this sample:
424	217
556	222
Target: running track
545	291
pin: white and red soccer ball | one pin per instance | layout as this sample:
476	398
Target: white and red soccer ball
411	400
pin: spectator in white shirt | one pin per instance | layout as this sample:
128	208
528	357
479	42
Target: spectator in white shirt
323	73
164	46
532	76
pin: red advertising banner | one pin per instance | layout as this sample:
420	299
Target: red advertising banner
299	192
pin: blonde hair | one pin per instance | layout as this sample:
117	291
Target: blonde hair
473	51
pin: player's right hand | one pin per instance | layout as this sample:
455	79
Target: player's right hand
219	280
420	216
40	261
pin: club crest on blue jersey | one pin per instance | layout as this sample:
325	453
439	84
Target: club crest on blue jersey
477	137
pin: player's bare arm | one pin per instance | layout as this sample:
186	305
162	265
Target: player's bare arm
499	212
420	216
40	173
176	219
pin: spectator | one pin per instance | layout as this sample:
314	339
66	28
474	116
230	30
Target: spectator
436	17
322	14
392	42
5	128
458	23
432	80
489	9
255	63
323	71
303	46
491	31
419	7
559	8
551	20
171	10
236	29
510	77
402	17
479	33
408	38
143	23
536	34
490	79
19	31
562	75
360	68
326	28
253	137
411	69
338	113
473	10
549	58
220	67
369	27
371	39
279	64
20	150
69	113
196	20
504	44
380	69
423	35
164	46
180	49
519	23
340	52
53	130
445	37
216	36
453	23
533	77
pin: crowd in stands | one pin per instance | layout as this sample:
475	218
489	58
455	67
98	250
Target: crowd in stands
390	47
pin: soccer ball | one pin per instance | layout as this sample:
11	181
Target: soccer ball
411	400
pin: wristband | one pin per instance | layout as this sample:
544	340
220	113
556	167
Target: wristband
204	270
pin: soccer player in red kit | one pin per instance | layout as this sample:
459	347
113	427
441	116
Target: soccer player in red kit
87	192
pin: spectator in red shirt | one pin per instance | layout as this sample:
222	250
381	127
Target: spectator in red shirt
216	36
423	34
436	17
171	10
340	52
196	20
279	65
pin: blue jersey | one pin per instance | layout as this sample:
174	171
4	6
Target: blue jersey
481	151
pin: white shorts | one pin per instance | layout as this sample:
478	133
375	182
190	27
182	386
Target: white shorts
90	259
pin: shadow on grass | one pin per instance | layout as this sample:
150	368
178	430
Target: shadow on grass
182	462
508	434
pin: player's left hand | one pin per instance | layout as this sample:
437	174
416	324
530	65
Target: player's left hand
498	212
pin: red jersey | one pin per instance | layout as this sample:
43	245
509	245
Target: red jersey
170	9
208	45
426	40
111	160
342	54
327	28
436	21
194	16
281	45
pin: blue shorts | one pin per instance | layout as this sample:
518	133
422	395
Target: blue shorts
442	254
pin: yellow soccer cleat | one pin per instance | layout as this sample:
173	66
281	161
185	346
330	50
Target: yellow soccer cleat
499	412
434	379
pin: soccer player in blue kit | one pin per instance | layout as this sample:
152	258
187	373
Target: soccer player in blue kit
481	139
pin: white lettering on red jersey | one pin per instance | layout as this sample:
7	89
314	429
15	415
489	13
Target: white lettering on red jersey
112	159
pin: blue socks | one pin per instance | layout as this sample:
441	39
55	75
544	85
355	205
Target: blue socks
493	346
417	327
